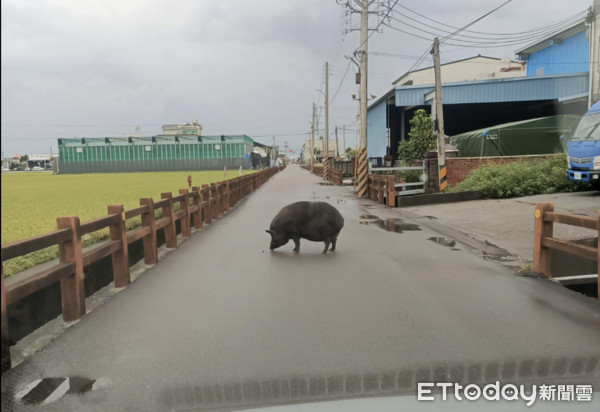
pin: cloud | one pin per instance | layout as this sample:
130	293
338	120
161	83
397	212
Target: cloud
89	68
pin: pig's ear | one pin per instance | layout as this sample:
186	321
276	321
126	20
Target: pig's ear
270	232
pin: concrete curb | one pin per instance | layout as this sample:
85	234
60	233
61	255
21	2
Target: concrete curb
437	198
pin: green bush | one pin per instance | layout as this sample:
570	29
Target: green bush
413	176
522	178
421	138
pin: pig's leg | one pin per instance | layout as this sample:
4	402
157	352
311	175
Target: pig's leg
297	243
326	246
333	241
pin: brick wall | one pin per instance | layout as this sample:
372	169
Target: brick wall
459	167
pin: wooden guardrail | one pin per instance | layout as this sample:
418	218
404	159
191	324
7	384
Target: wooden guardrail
544	241
201	205
381	189
335	175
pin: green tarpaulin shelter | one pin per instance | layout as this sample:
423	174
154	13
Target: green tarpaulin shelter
526	137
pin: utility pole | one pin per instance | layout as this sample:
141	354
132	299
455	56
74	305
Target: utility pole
344	140
594	21
337	144
326	135
439	116
312	140
362	55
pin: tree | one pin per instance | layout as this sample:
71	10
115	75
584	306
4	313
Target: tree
23	158
421	138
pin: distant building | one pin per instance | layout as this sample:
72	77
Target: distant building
43	161
138	132
319	154
473	68
39	160
156	153
193	128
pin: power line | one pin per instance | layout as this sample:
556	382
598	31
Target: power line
341	82
395	55
376	27
422	58
477	32
335	51
499	40
475	21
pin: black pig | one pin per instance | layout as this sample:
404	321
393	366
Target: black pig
316	221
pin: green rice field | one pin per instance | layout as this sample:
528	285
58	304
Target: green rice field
31	202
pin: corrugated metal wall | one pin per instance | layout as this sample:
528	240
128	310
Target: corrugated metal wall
571	56
503	90
376	130
99	156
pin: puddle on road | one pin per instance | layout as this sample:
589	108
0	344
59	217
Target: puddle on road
390	225
443	241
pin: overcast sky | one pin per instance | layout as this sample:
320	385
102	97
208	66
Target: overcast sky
98	68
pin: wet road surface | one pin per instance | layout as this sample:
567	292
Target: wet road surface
222	322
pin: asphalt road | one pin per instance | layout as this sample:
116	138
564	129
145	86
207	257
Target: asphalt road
222	322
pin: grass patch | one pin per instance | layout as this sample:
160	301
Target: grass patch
521	178
31	202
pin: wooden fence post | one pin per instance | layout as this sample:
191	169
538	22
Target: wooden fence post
233	185
214	202
206	200
5	362
542	229
170	229
226	196
391	191
72	292
220	198
150	243
186	228
120	258
197	201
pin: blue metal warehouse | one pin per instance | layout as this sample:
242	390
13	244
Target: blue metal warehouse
556	82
